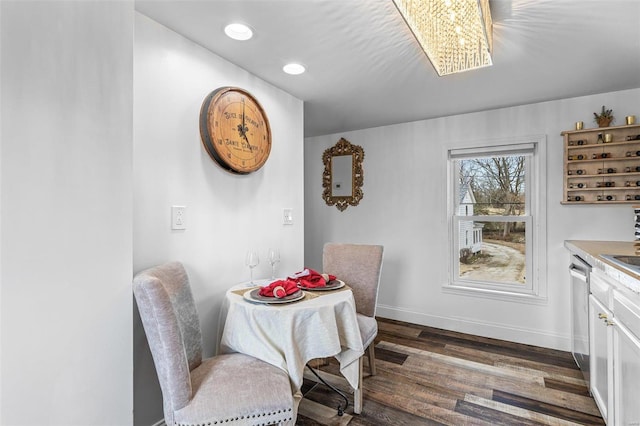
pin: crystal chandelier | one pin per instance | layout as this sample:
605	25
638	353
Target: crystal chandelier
455	34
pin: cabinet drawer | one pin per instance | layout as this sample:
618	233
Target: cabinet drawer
600	289
627	312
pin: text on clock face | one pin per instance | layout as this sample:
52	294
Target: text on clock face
239	145
248	120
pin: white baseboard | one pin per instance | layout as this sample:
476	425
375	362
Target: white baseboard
486	329
159	423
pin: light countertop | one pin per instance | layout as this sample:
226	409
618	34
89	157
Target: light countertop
591	251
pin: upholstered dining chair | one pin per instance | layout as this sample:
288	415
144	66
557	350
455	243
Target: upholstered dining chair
359	266
232	389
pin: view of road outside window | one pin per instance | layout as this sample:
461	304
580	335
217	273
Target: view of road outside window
492	224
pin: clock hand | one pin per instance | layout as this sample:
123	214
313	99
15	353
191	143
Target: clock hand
244	129
248	144
243	132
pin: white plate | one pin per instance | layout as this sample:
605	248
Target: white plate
331	285
254	296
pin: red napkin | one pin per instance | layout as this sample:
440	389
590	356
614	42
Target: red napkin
309	278
279	289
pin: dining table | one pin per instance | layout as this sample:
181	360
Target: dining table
320	323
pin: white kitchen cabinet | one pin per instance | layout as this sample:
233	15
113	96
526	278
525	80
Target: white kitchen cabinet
626	360
614	332
614	345
601	356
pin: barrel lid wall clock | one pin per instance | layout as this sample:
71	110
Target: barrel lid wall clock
235	130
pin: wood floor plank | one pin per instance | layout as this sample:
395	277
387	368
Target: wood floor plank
322	414
456	389
547	408
429	376
397	328
495	417
375	414
422	344
479	340
429	393
426	410
459	366
478	355
520	412
565	386
577	403
549	370
504	360
493	377
519	351
389	356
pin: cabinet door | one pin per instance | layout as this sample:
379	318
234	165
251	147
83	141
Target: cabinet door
601	357
626	358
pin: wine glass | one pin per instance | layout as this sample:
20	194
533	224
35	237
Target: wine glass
274	258
252	260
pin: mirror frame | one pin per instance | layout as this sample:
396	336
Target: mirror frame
343	147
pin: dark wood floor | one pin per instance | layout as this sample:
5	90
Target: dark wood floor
429	376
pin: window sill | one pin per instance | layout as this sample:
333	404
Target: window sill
506	296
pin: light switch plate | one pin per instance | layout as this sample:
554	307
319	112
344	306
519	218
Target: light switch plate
287	216
178	217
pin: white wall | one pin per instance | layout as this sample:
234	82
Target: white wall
65	229
226	214
1	243
404	209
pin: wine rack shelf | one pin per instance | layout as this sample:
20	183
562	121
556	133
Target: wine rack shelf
598	172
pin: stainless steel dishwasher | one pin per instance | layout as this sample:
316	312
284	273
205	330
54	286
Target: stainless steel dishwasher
579	271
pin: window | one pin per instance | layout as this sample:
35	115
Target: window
497	219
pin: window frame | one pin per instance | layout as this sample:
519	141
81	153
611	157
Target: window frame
534	147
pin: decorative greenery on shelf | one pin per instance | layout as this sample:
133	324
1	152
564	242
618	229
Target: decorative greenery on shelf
604	118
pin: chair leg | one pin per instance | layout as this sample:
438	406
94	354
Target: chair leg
372	359
357	394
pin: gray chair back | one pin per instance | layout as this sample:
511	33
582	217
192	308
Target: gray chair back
171	323
359	266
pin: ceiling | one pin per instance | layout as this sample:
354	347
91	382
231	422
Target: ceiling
365	69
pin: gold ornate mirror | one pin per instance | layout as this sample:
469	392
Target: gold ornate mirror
343	177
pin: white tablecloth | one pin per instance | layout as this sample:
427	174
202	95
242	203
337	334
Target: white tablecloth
290	335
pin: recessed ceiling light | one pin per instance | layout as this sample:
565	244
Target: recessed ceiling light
293	69
238	31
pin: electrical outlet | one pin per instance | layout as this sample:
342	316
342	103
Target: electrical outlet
287	216
178	217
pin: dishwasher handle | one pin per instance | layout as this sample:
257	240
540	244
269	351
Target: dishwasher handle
578	273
